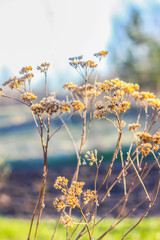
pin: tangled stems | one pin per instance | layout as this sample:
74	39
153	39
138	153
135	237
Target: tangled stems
112	99
117	101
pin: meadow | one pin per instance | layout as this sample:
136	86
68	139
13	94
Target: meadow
17	229
88	192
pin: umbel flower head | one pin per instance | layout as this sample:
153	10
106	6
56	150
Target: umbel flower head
66	220
28	97
85	67
116	98
20	82
101	54
49	105
148	142
70	197
43	67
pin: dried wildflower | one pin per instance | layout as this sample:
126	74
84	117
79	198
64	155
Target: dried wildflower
70	86
76	63
100	111
70	195
27	97
12	82
76	58
126	87
91	157
77	105
43	67
59	204
105	86
77	187
73	193
37	109
144	96
89	195
100	114
86	90
101	54
124	106
154	103
117	104
144	137
156	138
61	182
25	70
66	220
136	95
18	82
71	199
155	147
134	126
64	106
145	148
99	106
48	105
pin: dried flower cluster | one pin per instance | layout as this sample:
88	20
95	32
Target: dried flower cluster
77	105
116	98
148	142
67	220
134	126
83	64
147	99
28	97
48	105
101	54
112	98
43	67
20	83
71	196
91	157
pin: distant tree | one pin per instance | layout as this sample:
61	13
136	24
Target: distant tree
135	46
4	74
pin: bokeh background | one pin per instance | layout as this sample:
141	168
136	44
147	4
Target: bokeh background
35	31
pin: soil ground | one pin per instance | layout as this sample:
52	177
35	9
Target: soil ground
19	193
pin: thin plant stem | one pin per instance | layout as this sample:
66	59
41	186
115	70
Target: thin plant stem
86	223
69	133
124	179
55	230
36	123
113	159
83	134
155	158
35	211
130	190
140	179
46	91
60	126
151	204
5	96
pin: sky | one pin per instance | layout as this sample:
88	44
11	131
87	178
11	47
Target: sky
35	31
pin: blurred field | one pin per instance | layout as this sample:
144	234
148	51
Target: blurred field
19	139
20	144
17	229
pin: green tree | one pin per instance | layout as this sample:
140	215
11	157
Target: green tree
135	47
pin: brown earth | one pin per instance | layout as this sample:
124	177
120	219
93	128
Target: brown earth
19	193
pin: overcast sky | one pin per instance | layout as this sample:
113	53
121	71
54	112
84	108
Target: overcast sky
34	31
